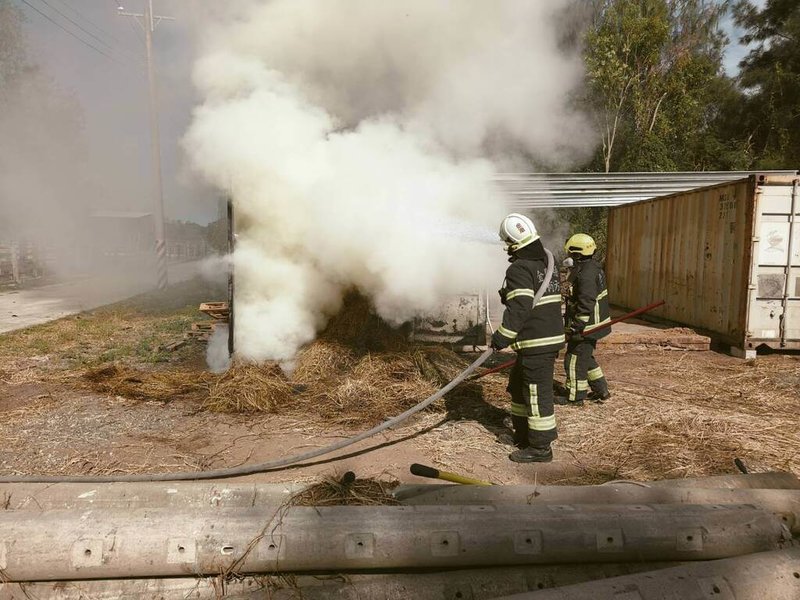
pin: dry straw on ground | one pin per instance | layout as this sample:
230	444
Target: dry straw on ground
686	415
157	385
250	388
346	491
359	372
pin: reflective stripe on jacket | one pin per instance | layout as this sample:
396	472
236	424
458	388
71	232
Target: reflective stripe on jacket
526	329
588	299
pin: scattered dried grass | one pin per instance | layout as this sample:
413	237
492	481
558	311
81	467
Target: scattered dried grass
250	388
322	360
673	416
138	384
347	492
358	373
357	327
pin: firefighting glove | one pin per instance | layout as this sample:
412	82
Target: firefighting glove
574	331
502	292
498	341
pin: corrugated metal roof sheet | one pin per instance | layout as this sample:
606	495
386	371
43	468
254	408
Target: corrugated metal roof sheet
119	214
569	190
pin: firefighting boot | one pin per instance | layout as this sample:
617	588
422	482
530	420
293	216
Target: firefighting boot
565	401
519	425
532	454
599	397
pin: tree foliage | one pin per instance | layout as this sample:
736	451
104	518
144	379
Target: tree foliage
656	86
769	113
654	80
13	56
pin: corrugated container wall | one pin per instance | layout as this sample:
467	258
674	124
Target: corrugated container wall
718	255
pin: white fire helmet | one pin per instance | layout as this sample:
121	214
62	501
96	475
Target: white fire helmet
517	231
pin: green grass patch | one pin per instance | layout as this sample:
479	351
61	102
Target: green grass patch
133	331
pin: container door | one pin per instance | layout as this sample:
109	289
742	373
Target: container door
774	310
460	322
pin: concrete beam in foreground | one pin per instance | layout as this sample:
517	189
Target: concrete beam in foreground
103	544
473	584
783	503
762	576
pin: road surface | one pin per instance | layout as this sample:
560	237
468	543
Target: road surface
24	308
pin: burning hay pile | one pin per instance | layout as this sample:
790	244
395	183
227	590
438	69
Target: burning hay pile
360	371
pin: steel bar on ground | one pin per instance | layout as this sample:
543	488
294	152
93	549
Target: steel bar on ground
177	494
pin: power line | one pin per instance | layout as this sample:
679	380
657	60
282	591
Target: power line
77	37
137	32
64	29
78	25
97	27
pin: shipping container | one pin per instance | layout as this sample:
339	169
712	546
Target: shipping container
459	322
726	258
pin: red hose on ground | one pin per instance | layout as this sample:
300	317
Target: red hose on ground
630	315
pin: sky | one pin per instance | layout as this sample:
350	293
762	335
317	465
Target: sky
736	51
113	92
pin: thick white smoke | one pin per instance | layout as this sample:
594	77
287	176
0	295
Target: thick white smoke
359	140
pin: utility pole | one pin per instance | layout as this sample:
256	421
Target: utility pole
148	21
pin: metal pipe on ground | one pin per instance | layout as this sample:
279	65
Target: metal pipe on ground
89	544
783	503
766	575
475	584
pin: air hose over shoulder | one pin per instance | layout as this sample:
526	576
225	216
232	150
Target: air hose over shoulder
278	463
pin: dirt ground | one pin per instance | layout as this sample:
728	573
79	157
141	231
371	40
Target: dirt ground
673	413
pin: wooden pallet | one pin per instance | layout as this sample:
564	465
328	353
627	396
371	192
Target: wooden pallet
216	310
202	330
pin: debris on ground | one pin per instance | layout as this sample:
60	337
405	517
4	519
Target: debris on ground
360	371
158	385
347	491
97	393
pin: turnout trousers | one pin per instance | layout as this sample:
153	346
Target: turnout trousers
532	412
582	371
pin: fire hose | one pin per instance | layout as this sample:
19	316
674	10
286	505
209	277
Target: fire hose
630	315
278	463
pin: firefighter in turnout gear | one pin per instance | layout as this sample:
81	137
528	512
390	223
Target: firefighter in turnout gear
587	308
536	334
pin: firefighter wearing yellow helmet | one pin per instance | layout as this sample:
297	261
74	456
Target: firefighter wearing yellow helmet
587	309
536	334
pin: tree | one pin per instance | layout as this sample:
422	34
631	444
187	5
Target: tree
45	181
769	116
652	70
13	58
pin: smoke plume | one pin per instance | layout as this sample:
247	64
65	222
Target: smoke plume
359	141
